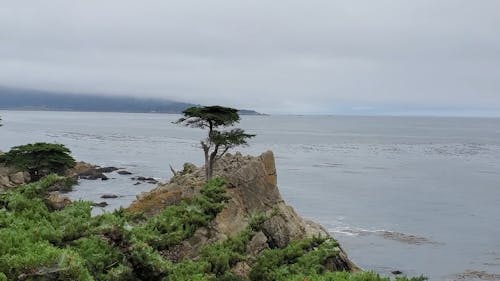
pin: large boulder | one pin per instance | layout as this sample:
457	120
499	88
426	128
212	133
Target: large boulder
252	188
5	182
10	177
19	178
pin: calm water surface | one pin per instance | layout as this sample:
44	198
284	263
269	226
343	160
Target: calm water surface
420	195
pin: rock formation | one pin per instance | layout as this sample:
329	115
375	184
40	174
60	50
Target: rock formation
252	188
88	171
10	178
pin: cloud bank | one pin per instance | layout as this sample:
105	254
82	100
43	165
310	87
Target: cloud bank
281	56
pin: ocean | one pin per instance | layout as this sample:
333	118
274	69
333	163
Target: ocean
416	194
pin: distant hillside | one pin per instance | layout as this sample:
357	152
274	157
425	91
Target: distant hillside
23	99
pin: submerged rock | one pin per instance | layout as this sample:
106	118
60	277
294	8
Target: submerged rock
100	204
252	188
144	179
86	171
107	169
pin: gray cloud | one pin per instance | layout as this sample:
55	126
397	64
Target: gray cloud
273	56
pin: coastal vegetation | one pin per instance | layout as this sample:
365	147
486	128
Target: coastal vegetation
40	243
217	142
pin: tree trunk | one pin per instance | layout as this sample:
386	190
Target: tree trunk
208	167
211	160
208	158
210	171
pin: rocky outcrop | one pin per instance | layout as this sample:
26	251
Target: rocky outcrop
88	171
252	188
10	177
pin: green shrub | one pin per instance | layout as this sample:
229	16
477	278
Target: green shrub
179	222
119	273
98	255
306	256
147	263
189	271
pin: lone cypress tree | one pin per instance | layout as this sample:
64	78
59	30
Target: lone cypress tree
217	142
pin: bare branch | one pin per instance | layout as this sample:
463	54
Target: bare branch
172	169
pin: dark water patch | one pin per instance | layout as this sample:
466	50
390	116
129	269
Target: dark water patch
352	172
458	150
327	165
475	275
405	238
374	168
404	177
391	149
489	172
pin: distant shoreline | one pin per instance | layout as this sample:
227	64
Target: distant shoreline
242	112
37	100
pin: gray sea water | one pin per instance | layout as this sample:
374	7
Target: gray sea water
419	195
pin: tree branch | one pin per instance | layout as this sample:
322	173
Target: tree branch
213	155
172	169
223	152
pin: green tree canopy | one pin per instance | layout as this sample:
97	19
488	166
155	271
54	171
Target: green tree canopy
209	117
217	142
39	159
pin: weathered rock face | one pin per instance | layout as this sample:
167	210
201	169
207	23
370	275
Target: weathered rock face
10	177
252	188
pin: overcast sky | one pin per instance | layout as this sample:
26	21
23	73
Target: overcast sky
275	56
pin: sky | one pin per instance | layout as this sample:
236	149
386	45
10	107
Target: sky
282	56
